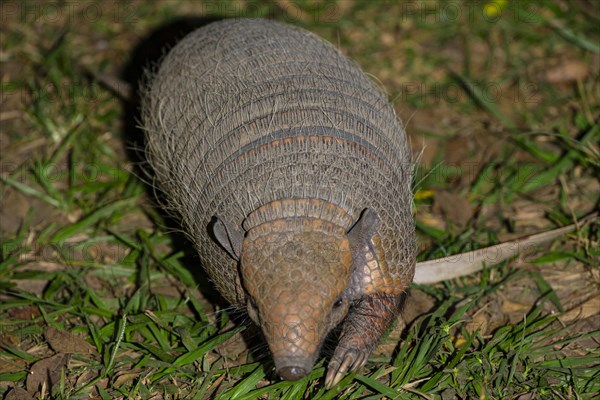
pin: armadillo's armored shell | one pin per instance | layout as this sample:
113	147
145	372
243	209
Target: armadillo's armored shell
245	112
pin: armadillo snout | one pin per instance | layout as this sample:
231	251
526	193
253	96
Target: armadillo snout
291	373
292	368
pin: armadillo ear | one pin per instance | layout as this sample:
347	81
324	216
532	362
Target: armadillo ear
363	230
360	236
227	237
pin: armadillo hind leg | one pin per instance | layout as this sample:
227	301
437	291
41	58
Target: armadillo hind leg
366	322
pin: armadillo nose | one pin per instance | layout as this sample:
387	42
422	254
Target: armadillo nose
291	373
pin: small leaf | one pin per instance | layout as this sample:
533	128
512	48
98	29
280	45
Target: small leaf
551	257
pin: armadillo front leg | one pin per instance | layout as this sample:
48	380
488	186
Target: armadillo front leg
366	322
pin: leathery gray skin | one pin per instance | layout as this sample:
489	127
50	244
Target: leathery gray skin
291	174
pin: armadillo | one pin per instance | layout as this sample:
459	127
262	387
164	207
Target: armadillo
291	174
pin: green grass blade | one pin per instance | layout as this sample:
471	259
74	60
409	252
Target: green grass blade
28	190
93	218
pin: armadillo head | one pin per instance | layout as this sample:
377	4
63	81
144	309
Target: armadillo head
296	272
299	270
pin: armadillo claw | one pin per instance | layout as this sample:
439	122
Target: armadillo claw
352	360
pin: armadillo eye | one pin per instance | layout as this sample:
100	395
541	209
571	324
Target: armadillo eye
338	303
